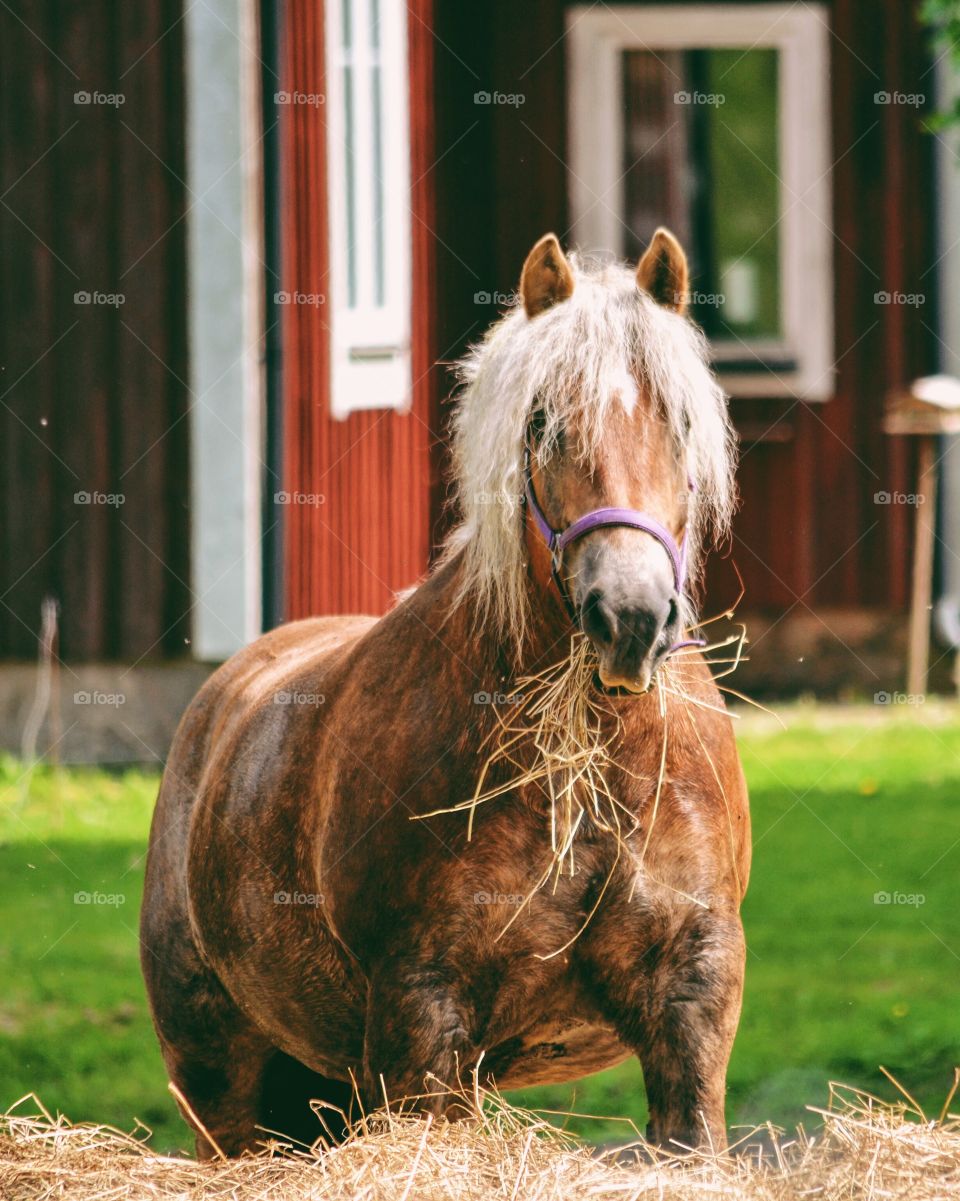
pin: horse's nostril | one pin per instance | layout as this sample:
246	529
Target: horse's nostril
597	619
673	614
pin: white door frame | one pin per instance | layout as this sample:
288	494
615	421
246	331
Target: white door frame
225	322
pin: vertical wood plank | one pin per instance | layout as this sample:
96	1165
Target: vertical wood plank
150	381
83	395
30	321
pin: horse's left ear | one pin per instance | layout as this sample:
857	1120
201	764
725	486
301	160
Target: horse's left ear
663	271
546	278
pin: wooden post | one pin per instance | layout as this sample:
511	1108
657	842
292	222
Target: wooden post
925	409
925	522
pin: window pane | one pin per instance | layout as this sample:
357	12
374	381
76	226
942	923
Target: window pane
701	155
349	150
376	88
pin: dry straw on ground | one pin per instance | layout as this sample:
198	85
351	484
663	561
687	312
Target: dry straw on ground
865	1151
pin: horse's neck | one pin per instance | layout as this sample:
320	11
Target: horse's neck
470	638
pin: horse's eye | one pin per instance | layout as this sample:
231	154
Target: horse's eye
538	423
537	433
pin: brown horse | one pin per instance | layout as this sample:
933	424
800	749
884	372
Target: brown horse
319	907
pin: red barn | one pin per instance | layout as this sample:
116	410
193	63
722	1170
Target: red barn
243	241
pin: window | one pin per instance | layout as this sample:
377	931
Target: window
368	179
715	122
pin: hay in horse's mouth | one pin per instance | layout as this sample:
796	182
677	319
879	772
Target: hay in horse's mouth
617	690
572	728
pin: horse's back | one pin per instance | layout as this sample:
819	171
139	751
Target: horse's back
258	673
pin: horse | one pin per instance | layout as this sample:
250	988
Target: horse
378	867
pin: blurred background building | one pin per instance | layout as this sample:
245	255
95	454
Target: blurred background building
242	241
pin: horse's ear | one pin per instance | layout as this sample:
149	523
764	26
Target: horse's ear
663	271
547	277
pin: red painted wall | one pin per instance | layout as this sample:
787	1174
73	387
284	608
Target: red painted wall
371	536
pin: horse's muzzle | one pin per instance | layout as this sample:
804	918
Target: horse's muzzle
631	637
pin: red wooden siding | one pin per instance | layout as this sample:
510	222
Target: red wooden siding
371	535
93	398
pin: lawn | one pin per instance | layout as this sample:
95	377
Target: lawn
848	809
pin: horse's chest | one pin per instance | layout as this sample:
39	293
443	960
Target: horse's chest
555	1053
544	1029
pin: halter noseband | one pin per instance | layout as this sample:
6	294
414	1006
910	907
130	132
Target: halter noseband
558	540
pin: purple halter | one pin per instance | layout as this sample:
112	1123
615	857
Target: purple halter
558	540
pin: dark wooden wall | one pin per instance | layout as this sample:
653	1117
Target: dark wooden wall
375	470
808	532
93	398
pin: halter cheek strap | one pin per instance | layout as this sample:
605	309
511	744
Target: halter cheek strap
558	540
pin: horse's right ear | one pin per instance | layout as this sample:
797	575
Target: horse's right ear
663	271
547	277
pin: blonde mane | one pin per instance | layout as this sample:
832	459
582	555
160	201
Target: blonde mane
573	361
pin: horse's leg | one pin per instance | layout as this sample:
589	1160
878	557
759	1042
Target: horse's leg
214	1055
245	1093
684	1055
216	1059
678	1005
416	1041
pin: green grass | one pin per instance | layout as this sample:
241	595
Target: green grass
74	1026
836	984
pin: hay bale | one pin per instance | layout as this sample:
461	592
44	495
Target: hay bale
866	1151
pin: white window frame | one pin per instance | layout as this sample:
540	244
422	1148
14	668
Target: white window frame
370	340
597	38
